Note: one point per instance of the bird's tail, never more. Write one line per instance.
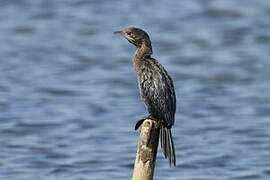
(166, 141)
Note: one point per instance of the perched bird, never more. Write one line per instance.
(156, 88)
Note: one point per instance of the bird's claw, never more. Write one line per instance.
(139, 122)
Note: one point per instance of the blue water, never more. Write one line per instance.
(69, 101)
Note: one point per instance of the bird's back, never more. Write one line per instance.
(156, 89)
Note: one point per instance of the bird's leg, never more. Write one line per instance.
(139, 122)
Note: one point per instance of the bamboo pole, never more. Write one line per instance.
(144, 165)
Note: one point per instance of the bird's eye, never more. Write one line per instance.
(129, 33)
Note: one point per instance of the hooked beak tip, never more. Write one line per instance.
(118, 32)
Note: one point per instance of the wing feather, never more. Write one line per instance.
(157, 91)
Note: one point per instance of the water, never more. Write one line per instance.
(68, 96)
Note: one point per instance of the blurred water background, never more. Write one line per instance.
(69, 101)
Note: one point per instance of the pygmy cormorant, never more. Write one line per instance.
(156, 88)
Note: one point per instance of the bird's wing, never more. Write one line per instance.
(157, 91)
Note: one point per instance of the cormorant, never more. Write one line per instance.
(156, 88)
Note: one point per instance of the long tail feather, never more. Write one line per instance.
(173, 150)
(167, 144)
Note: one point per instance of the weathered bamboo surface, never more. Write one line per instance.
(144, 165)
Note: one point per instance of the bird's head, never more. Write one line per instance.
(135, 36)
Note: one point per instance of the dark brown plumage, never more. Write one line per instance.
(156, 88)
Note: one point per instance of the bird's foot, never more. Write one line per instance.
(139, 122)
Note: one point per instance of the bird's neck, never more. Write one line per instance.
(144, 50)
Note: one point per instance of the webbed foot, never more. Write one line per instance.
(139, 122)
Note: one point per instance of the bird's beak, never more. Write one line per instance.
(118, 32)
